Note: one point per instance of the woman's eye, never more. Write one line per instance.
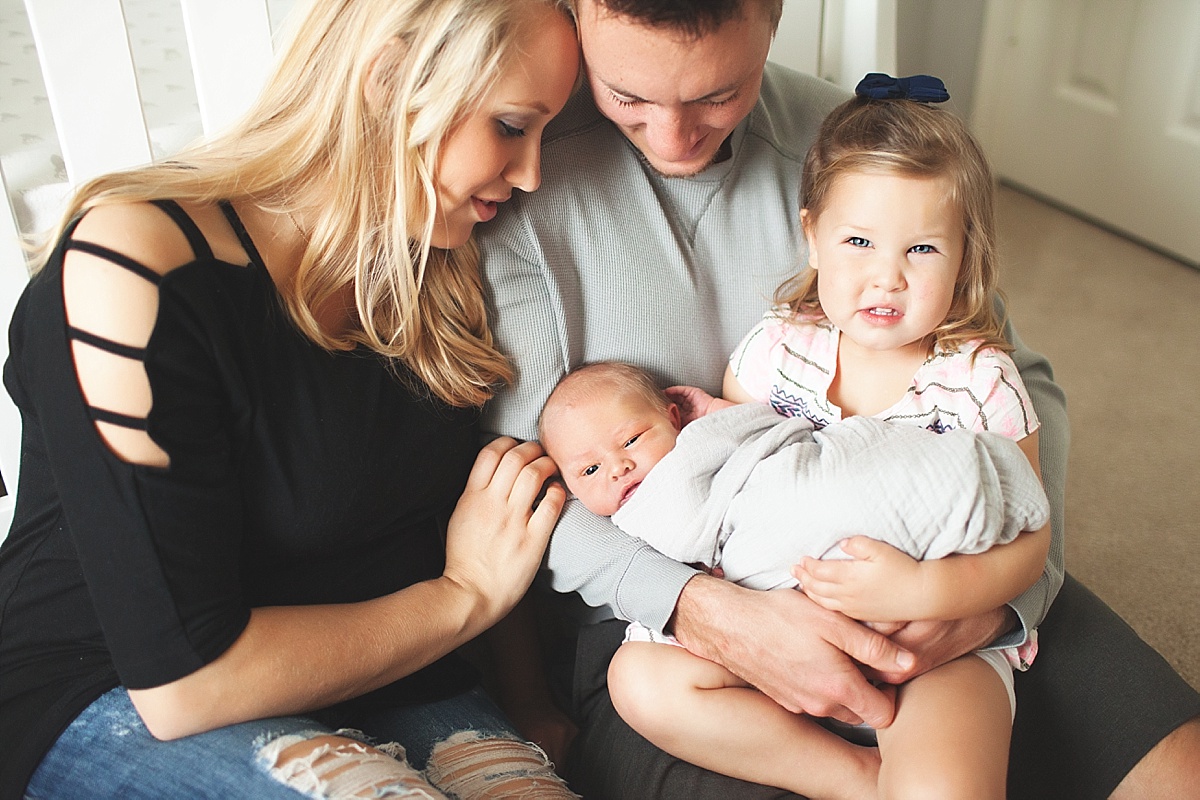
(922, 249)
(590, 470)
(510, 130)
(858, 241)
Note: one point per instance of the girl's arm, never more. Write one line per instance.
(884, 584)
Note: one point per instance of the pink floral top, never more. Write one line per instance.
(790, 363)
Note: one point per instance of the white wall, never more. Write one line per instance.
(942, 38)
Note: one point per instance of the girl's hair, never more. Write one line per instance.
(311, 133)
(904, 137)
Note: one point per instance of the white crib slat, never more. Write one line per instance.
(230, 44)
(88, 70)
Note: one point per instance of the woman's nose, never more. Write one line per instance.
(525, 171)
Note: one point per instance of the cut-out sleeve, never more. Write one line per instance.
(132, 421)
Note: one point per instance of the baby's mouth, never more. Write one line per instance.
(633, 487)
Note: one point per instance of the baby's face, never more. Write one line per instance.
(604, 448)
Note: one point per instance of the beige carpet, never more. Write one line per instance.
(1121, 325)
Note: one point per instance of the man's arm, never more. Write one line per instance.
(606, 566)
(1053, 440)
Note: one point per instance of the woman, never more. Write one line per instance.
(249, 381)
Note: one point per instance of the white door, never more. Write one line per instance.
(1095, 104)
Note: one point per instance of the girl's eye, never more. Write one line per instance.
(858, 241)
(922, 249)
(590, 470)
(510, 130)
(631, 441)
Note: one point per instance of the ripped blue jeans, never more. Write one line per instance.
(108, 753)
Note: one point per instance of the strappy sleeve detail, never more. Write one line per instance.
(111, 303)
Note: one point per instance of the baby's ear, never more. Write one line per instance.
(676, 417)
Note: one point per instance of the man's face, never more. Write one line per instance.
(675, 97)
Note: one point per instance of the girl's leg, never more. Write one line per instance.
(700, 712)
(467, 748)
(950, 735)
(107, 752)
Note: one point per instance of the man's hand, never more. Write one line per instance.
(794, 651)
(937, 642)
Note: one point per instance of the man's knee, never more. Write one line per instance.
(1171, 768)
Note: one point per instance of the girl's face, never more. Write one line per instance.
(887, 250)
(497, 148)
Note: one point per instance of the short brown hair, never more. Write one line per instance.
(695, 18)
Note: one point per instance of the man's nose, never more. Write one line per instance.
(671, 133)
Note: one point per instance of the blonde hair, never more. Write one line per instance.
(311, 133)
(608, 381)
(904, 137)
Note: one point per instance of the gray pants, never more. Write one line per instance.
(1097, 699)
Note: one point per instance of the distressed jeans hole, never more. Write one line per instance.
(466, 765)
(327, 767)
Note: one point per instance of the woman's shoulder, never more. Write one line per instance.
(160, 236)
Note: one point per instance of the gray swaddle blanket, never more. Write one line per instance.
(752, 492)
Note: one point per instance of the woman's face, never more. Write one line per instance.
(498, 147)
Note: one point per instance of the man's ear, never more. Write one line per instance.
(806, 224)
(384, 64)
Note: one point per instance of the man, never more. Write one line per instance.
(667, 215)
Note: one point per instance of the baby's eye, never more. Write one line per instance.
(631, 441)
(858, 241)
(590, 470)
(922, 249)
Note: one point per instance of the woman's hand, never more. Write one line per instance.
(500, 528)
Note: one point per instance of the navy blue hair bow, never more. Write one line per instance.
(921, 88)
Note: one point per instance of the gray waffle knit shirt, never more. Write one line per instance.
(608, 260)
